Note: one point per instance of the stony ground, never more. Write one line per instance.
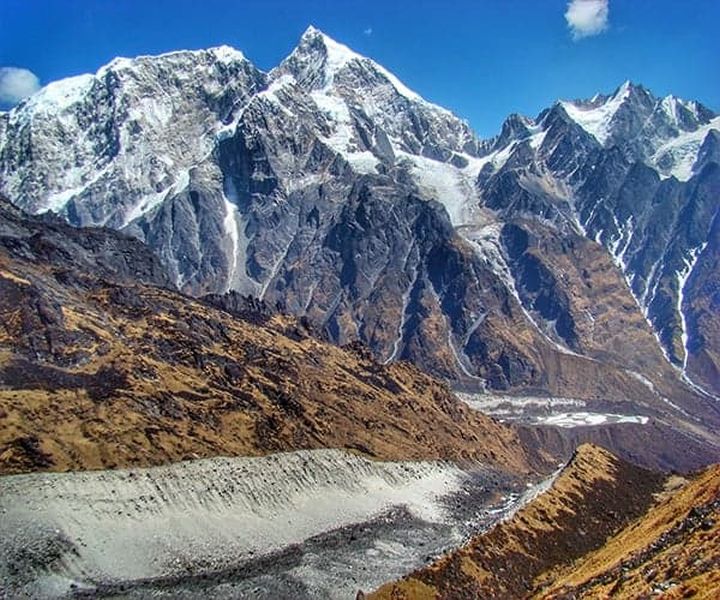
(311, 524)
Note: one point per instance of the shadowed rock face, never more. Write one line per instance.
(48, 241)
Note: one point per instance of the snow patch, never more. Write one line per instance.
(152, 111)
(227, 54)
(145, 205)
(459, 358)
(543, 410)
(682, 152)
(642, 379)
(597, 121)
(56, 96)
(343, 138)
(454, 188)
(230, 223)
(682, 276)
(588, 419)
(495, 404)
(536, 139)
(73, 185)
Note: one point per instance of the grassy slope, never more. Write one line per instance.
(604, 530)
(673, 549)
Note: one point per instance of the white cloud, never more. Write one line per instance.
(368, 31)
(586, 18)
(16, 84)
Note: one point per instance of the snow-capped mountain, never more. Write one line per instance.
(639, 175)
(107, 147)
(665, 133)
(551, 256)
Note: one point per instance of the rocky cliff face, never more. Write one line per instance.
(328, 187)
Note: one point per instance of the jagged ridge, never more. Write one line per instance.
(312, 186)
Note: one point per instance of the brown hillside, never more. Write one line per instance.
(593, 497)
(95, 374)
(673, 550)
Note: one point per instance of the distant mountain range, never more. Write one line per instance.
(575, 254)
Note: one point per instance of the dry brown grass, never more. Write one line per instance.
(661, 551)
(671, 550)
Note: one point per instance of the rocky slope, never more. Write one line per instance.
(330, 187)
(603, 529)
(638, 175)
(47, 241)
(142, 374)
(98, 372)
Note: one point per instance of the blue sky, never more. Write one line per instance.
(482, 59)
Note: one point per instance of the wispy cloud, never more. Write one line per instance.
(586, 18)
(16, 84)
(368, 31)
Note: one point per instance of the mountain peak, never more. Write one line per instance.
(636, 91)
(626, 87)
(224, 53)
(63, 93)
(312, 32)
(315, 38)
(318, 59)
(597, 115)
